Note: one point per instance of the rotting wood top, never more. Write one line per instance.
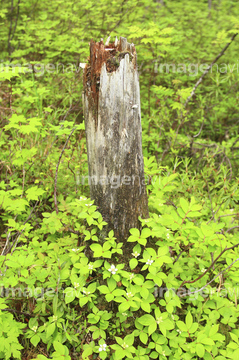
(109, 53)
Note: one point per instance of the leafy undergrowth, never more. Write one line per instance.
(175, 298)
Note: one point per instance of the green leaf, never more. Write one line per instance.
(124, 306)
(118, 292)
(193, 328)
(87, 352)
(142, 241)
(152, 328)
(119, 354)
(154, 355)
(233, 336)
(145, 306)
(50, 330)
(146, 320)
(91, 288)
(144, 292)
(200, 350)
(135, 232)
(111, 284)
(207, 341)
(129, 339)
(133, 263)
(214, 330)
(181, 325)
(97, 248)
(181, 212)
(195, 214)
(103, 289)
(83, 301)
(35, 340)
(169, 308)
(109, 297)
(146, 232)
(69, 295)
(55, 303)
(236, 354)
(143, 337)
(195, 207)
(59, 347)
(189, 320)
(184, 204)
(232, 345)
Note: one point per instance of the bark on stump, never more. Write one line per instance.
(112, 114)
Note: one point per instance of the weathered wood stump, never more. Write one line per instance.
(111, 100)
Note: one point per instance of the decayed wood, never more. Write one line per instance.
(113, 132)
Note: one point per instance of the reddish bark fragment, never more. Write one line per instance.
(100, 54)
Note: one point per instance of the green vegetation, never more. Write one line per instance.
(176, 296)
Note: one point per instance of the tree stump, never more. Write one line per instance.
(111, 99)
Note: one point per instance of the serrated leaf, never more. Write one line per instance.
(33, 193)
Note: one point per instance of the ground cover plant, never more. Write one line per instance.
(176, 296)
